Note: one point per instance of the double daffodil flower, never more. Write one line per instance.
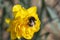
(25, 22)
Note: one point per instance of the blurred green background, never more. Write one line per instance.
(49, 14)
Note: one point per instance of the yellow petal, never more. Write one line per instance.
(32, 9)
(16, 8)
(7, 20)
(13, 35)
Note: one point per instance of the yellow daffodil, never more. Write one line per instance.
(25, 22)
